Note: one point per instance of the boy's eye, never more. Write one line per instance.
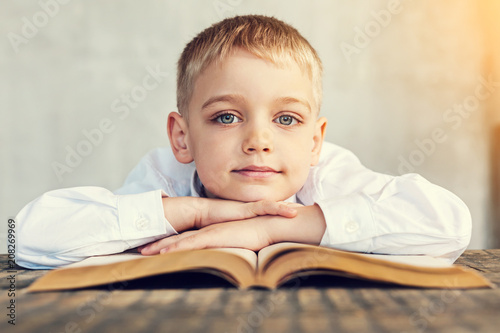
(286, 120)
(227, 118)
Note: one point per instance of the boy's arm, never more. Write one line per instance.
(307, 226)
(371, 212)
(186, 213)
(416, 217)
(68, 225)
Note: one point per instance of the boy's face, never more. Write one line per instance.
(252, 131)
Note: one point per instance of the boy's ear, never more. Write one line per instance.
(319, 136)
(177, 134)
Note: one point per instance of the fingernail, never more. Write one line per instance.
(164, 250)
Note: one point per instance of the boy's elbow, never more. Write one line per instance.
(464, 228)
(456, 223)
(30, 252)
(25, 242)
(33, 240)
(460, 219)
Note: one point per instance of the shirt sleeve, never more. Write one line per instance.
(68, 225)
(376, 213)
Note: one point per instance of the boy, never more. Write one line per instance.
(249, 168)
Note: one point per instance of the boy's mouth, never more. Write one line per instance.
(255, 171)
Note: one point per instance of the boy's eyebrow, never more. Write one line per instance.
(291, 100)
(237, 99)
(232, 98)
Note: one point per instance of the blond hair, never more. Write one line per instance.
(265, 37)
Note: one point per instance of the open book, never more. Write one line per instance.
(270, 268)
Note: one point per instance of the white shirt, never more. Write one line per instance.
(365, 211)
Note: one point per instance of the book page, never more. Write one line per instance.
(414, 260)
(278, 264)
(266, 254)
(105, 260)
(269, 253)
(248, 255)
(237, 266)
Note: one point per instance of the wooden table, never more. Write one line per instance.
(312, 305)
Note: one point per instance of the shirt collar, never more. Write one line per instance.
(197, 189)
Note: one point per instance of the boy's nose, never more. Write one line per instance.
(258, 140)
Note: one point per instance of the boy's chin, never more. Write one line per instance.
(249, 196)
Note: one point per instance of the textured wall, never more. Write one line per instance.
(400, 86)
(491, 10)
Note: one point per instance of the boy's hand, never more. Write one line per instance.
(186, 213)
(254, 233)
(249, 234)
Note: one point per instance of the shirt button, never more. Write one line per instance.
(351, 227)
(142, 223)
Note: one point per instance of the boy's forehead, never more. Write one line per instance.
(236, 70)
(281, 61)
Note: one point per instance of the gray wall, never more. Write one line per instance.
(391, 93)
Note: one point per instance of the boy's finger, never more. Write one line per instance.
(150, 249)
(196, 240)
(287, 211)
(155, 247)
(291, 204)
(267, 207)
(188, 243)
